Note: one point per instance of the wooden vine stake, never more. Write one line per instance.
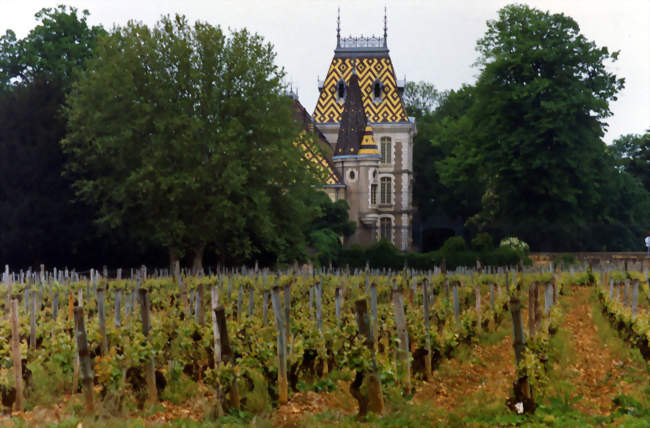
(200, 312)
(373, 310)
(425, 299)
(477, 294)
(215, 326)
(32, 322)
(149, 372)
(84, 358)
(532, 309)
(522, 391)
(456, 285)
(337, 295)
(402, 334)
(101, 313)
(227, 354)
(283, 385)
(15, 354)
(373, 399)
(319, 316)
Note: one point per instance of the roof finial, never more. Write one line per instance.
(385, 27)
(338, 28)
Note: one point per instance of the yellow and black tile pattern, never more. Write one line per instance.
(389, 109)
(316, 160)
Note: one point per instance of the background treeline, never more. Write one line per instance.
(520, 152)
(120, 148)
(145, 145)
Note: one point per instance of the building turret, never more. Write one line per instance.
(361, 114)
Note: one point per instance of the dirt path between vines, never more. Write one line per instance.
(486, 373)
(594, 371)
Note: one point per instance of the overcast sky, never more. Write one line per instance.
(432, 40)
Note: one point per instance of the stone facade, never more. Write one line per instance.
(389, 213)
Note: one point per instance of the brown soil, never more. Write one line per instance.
(303, 404)
(594, 371)
(488, 371)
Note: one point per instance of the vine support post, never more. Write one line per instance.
(425, 299)
(265, 307)
(214, 304)
(240, 300)
(32, 321)
(200, 311)
(456, 301)
(337, 296)
(635, 296)
(319, 305)
(227, 355)
(373, 400)
(531, 309)
(101, 314)
(402, 334)
(251, 297)
(15, 353)
(149, 371)
(522, 391)
(373, 310)
(283, 385)
(117, 321)
(84, 358)
(287, 311)
(477, 295)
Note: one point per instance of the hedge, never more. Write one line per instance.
(384, 255)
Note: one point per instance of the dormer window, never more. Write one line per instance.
(340, 90)
(377, 89)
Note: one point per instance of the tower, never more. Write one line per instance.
(361, 114)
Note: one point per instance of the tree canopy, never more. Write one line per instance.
(632, 155)
(184, 134)
(39, 223)
(521, 151)
(52, 50)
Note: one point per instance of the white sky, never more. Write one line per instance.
(432, 40)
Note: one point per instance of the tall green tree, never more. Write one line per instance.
(444, 202)
(38, 221)
(632, 154)
(420, 98)
(52, 50)
(183, 134)
(541, 102)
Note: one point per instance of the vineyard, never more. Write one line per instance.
(297, 348)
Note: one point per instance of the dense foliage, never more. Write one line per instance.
(520, 153)
(181, 340)
(184, 134)
(39, 222)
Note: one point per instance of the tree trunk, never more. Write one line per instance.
(197, 259)
(173, 258)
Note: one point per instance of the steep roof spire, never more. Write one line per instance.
(338, 28)
(385, 28)
(355, 136)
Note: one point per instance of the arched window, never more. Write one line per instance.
(373, 194)
(385, 228)
(385, 196)
(340, 90)
(385, 150)
(376, 91)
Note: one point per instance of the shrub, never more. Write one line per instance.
(516, 244)
(502, 256)
(454, 244)
(482, 242)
